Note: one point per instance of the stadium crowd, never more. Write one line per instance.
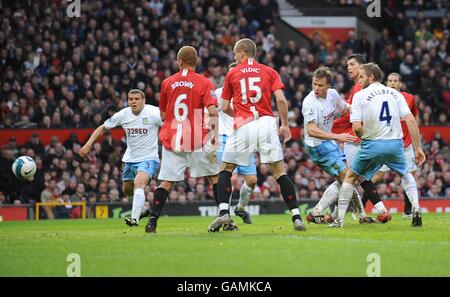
(61, 72)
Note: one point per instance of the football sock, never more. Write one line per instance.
(364, 199)
(380, 207)
(216, 197)
(159, 200)
(371, 191)
(288, 192)
(330, 195)
(408, 205)
(357, 204)
(244, 196)
(410, 187)
(138, 203)
(345, 195)
(224, 191)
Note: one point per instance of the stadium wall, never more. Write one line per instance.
(208, 208)
(45, 135)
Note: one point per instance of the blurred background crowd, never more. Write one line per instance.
(60, 72)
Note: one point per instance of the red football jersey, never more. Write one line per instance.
(342, 124)
(184, 96)
(251, 85)
(413, 107)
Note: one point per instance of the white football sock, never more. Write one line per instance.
(356, 201)
(295, 211)
(138, 203)
(330, 195)
(223, 206)
(345, 195)
(410, 187)
(244, 196)
(380, 207)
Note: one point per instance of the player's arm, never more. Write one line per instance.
(415, 136)
(282, 107)
(316, 132)
(226, 107)
(84, 151)
(358, 128)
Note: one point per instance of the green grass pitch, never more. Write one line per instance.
(183, 247)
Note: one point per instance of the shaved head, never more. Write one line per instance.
(246, 45)
(188, 55)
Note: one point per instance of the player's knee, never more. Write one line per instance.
(167, 185)
(251, 180)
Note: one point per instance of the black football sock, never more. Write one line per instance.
(408, 206)
(224, 191)
(364, 199)
(371, 191)
(287, 188)
(159, 200)
(216, 197)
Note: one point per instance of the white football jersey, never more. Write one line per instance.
(141, 131)
(380, 109)
(225, 121)
(322, 111)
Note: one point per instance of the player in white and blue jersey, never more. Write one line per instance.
(375, 115)
(322, 105)
(249, 172)
(141, 159)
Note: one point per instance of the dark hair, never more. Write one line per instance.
(360, 58)
(323, 72)
(373, 69)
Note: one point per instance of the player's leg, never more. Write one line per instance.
(287, 188)
(330, 158)
(145, 170)
(269, 147)
(365, 165)
(247, 188)
(358, 212)
(238, 149)
(397, 161)
(223, 196)
(411, 160)
(173, 166)
(159, 200)
(128, 176)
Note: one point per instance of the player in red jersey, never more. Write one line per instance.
(394, 81)
(251, 86)
(185, 140)
(343, 125)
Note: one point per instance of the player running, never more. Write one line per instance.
(379, 109)
(394, 81)
(141, 123)
(319, 109)
(341, 125)
(251, 86)
(185, 139)
(249, 172)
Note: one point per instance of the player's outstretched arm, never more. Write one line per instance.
(84, 151)
(282, 107)
(415, 135)
(316, 132)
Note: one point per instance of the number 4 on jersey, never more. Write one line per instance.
(384, 114)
